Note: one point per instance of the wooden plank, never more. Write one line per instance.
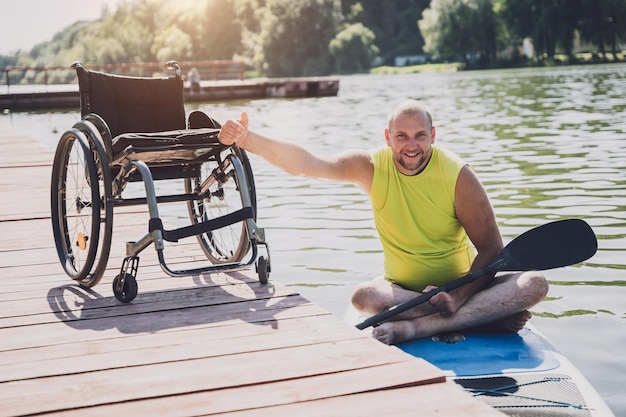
(25, 190)
(33, 283)
(208, 342)
(310, 328)
(433, 400)
(201, 343)
(24, 235)
(193, 375)
(38, 284)
(116, 313)
(23, 151)
(19, 182)
(256, 311)
(263, 399)
(205, 295)
(34, 246)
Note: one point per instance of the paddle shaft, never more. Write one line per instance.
(420, 299)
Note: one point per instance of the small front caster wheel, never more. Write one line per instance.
(262, 268)
(125, 287)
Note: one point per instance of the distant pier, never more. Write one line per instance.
(24, 98)
(42, 88)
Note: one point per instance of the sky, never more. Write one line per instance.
(25, 23)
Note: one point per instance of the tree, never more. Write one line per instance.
(294, 37)
(616, 24)
(219, 31)
(552, 23)
(466, 29)
(486, 30)
(353, 48)
(555, 22)
(172, 43)
(394, 23)
(604, 23)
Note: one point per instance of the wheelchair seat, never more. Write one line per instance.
(134, 129)
(171, 147)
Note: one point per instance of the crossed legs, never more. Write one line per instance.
(503, 304)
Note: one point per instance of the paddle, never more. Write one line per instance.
(552, 245)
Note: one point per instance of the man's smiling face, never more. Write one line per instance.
(411, 136)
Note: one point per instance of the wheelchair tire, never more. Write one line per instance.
(125, 291)
(75, 192)
(263, 270)
(231, 243)
(100, 130)
(243, 157)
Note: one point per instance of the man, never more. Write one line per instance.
(430, 212)
(194, 80)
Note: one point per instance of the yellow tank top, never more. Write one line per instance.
(423, 241)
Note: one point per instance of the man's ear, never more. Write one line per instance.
(433, 133)
(388, 137)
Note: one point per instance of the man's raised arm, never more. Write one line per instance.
(351, 166)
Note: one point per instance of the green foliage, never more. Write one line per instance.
(394, 23)
(416, 69)
(171, 42)
(353, 49)
(552, 24)
(219, 31)
(604, 23)
(461, 29)
(295, 35)
(281, 38)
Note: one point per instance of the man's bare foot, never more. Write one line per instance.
(394, 332)
(399, 331)
(513, 323)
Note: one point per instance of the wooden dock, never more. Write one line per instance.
(202, 345)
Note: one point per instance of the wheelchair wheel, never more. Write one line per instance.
(263, 270)
(231, 243)
(97, 129)
(77, 207)
(125, 287)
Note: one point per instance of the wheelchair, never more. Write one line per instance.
(133, 130)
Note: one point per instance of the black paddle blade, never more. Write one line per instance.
(552, 245)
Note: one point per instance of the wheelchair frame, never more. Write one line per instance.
(95, 161)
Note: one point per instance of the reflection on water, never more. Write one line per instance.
(547, 143)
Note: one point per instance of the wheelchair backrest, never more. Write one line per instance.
(132, 104)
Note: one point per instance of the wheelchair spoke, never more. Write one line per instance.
(217, 187)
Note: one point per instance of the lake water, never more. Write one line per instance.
(548, 144)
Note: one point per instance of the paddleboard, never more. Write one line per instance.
(520, 374)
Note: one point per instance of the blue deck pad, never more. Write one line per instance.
(485, 353)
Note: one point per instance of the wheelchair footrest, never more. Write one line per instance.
(226, 267)
(203, 227)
